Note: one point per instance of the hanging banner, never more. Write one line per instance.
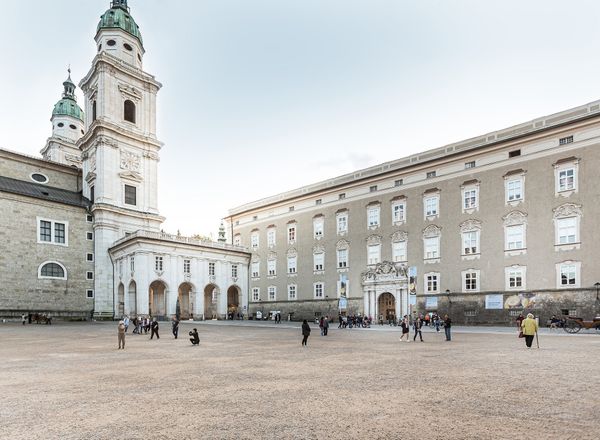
(343, 285)
(343, 303)
(412, 280)
(412, 300)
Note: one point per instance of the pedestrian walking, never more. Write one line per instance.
(447, 327)
(325, 325)
(519, 321)
(175, 327)
(154, 329)
(530, 327)
(305, 332)
(121, 335)
(321, 325)
(23, 318)
(405, 329)
(126, 322)
(194, 339)
(417, 326)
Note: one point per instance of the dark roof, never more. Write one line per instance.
(43, 192)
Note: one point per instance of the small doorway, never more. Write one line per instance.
(233, 302)
(387, 307)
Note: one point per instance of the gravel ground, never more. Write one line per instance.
(69, 381)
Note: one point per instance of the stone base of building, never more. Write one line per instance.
(307, 309)
(68, 315)
(503, 308)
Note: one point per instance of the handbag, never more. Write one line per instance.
(521, 335)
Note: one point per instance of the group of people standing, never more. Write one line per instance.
(145, 324)
(417, 324)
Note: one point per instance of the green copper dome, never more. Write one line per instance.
(67, 106)
(118, 17)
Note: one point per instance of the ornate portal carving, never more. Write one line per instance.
(385, 269)
(292, 252)
(567, 210)
(130, 161)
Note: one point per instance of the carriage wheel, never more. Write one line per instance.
(572, 327)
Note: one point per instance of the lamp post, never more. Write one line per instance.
(449, 301)
(597, 286)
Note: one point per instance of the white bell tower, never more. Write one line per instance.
(120, 150)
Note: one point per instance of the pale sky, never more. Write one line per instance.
(263, 96)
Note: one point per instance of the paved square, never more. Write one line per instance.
(69, 381)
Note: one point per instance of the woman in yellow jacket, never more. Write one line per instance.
(529, 326)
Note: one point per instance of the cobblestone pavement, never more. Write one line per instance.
(254, 380)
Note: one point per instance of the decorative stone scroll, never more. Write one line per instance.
(374, 239)
(130, 161)
(567, 210)
(515, 218)
(399, 236)
(432, 231)
(470, 225)
(342, 244)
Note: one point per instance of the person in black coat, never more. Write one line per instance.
(195, 339)
(305, 332)
(154, 329)
(175, 327)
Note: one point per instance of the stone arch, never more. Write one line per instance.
(121, 300)
(132, 298)
(185, 296)
(211, 301)
(157, 298)
(234, 300)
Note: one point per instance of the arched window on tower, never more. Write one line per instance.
(129, 111)
(94, 110)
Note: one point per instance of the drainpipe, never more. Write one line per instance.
(113, 281)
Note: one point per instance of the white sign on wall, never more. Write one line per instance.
(494, 302)
(431, 302)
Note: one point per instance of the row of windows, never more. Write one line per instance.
(187, 266)
(292, 292)
(566, 234)
(566, 178)
(566, 181)
(567, 275)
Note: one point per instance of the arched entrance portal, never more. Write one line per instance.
(157, 299)
(132, 297)
(211, 295)
(121, 301)
(186, 306)
(387, 306)
(233, 302)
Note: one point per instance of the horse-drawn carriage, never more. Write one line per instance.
(575, 324)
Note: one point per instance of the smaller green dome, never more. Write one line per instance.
(118, 17)
(67, 106)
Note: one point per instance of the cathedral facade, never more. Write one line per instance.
(85, 217)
